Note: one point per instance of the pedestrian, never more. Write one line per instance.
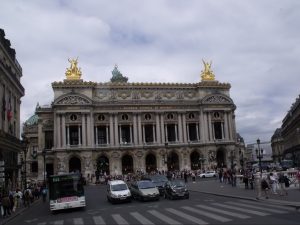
(185, 177)
(281, 181)
(44, 193)
(273, 182)
(6, 205)
(265, 187)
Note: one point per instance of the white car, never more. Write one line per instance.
(208, 174)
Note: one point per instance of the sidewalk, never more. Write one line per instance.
(214, 187)
(17, 212)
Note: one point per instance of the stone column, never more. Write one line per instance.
(162, 126)
(111, 129)
(143, 132)
(158, 136)
(63, 130)
(180, 128)
(68, 136)
(96, 132)
(92, 130)
(230, 125)
(226, 126)
(140, 129)
(79, 135)
(89, 133)
(116, 132)
(130, 130)
(184, 128)
(210, 138)
(201, 125)
(135, 134)
(83, 128)
(176, 133)
(58, 127)
(153, 131)
(106, 128)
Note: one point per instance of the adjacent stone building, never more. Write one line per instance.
(286, 140)
(11, 91)
(119, 127)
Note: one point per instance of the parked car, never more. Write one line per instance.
(176, 189)
(158, 180)
(144, 190)
(208, 174)
(118, 191)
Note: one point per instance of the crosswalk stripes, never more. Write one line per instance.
(287, 208)
(257, 213)
(98, 220)
(207, 214)
(186, 216)
(229, 213)
(258, 207)
(78, 221)
(119, 219)
(201, 214)
(141, 218)
(162, 217)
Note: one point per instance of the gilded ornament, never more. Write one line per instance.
(207, 73)
(73, 73)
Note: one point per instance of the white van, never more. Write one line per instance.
(118, 191)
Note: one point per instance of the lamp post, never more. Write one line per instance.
(44, 157)
(231, 159)
(25, 143)
(259, 155)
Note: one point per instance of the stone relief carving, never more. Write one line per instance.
(115, 154)
(87, 160)
(179, 95)
(139, 154)
(217, 99)
(147, 94)
(101, 95)
(113, 95)
(73, 100)
(169, 95)
(124, 94)
(136, 95)
(211, 156)
(189, 94)
(61, 167)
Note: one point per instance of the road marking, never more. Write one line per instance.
(207, 214)
(257, 207)
(241, 209)
(78, 221)
(43, 223)
(119, 219)
(98, 220)
(269, 205)
(141, 218)
(186, 216)
(233, 214)
(58, 222)
(162, 217)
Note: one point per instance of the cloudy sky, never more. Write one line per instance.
(254, 45)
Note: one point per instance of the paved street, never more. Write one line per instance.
(199, 209)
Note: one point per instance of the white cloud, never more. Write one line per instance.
(253, 46)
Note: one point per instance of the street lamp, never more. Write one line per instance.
(232, 156)
(259, 155)
(25, 143)
(44, 157)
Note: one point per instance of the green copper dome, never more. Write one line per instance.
(33, 120)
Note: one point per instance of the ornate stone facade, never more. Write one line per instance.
(120, 127)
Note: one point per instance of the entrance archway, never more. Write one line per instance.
(127, 164)
(75, 165)
(102, 166)
(173, 162)
(220, 157)
(150, 163)
(195, 161)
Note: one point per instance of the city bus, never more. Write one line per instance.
(66, 191)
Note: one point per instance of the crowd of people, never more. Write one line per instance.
(12, 200)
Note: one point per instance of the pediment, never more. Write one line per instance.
(73, 99)
(217, 99)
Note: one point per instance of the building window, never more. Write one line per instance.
(48, 139)
(102, 135)
(191, 115)
(74, 135)
(170, 116)
(125, 134)
(73, 117)
(34, 167)
(216, 115)
(124, 117)
(147, 116)
(218, 130)
(192, 128)
(149, 136)
(171, 131)
(101, 117)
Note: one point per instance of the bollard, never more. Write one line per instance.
(257, 178)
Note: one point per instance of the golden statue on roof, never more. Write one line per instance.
(207, 74)
(74, 72)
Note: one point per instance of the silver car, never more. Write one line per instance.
(144, 190)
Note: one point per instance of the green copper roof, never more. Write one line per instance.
(33, 120)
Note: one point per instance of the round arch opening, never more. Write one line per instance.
(220, 157)
(195, 161)
(151, 163)
(173, 162)
(102, 166)
(75, 165)
(127, 164)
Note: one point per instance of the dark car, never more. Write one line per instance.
(159, 181)
(144, 190)
(176, 189)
